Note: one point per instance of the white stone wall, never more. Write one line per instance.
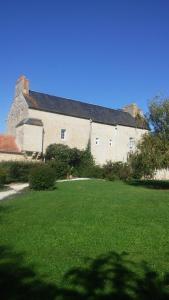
(20, 137)
(32, 138)
(119, 147)
(18, 112)
(162, 174)
(77, 130)
(78, 133)
(11, 157)
(29, 137)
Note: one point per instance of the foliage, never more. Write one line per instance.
(116, 170)
(17, 171)
(58, 152)
(152, 153)
(91, 171)
(153, 150)
(2, 177)
(42, 178)
(154, 184)
(158, 116)
(61, 168)
(75, 157)
(69, 161)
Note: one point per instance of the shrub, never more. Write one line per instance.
(58, 152)
(61, 169)
(91, 171)
(42, 178)
(17, 171)
(2, 177)
(151, 183)
(140, 168)
(116, 170)
(69, 161)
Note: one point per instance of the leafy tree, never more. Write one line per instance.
(58, 152)
(153, 151)
(158, 116)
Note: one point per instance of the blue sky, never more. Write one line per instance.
(106, 52)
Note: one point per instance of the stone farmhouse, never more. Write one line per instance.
(37, 120)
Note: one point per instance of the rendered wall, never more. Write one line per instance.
(29, 138)
(120, 137)
(78, 133)
(77, 130)
(162, 174)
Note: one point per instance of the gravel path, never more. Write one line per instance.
(14, 188)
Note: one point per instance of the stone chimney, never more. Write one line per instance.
(133, 110)
(22, 86)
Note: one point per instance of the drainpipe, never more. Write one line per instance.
(43, 134)
(90, 134)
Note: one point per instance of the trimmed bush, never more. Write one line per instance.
(151, 183)
(2, 177)
(18, 171)
(42, 178)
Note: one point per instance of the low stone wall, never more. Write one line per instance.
(4, 156)
(162, 174)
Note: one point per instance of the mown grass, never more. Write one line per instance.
(55, 230)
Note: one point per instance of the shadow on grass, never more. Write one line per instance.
(21, 282)
(152, 184)
(110, 276)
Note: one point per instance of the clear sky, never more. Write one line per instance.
(106, 52)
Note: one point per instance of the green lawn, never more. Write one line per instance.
(52, 232)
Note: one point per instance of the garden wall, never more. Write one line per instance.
(4, 156)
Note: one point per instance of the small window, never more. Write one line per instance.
(63, 134)
(110, 142)
(131, 143)
(97, 141)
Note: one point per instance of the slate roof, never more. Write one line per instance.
(30, 121)
(8, 144)
(96, 113)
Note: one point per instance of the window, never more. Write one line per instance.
(63, 134)
(97, 141)
(131, 143)
(110, 142)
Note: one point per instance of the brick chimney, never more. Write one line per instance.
(133, 110)
(22, 86)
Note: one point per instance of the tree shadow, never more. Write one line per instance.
(113, 276)
(21, 282)
(110, 276)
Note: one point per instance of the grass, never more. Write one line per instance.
(56, 230)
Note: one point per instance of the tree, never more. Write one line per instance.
(58, 152)
(158, 116)
(153, 150)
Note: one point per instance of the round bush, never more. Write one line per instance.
(42, 178)
(2, 177)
